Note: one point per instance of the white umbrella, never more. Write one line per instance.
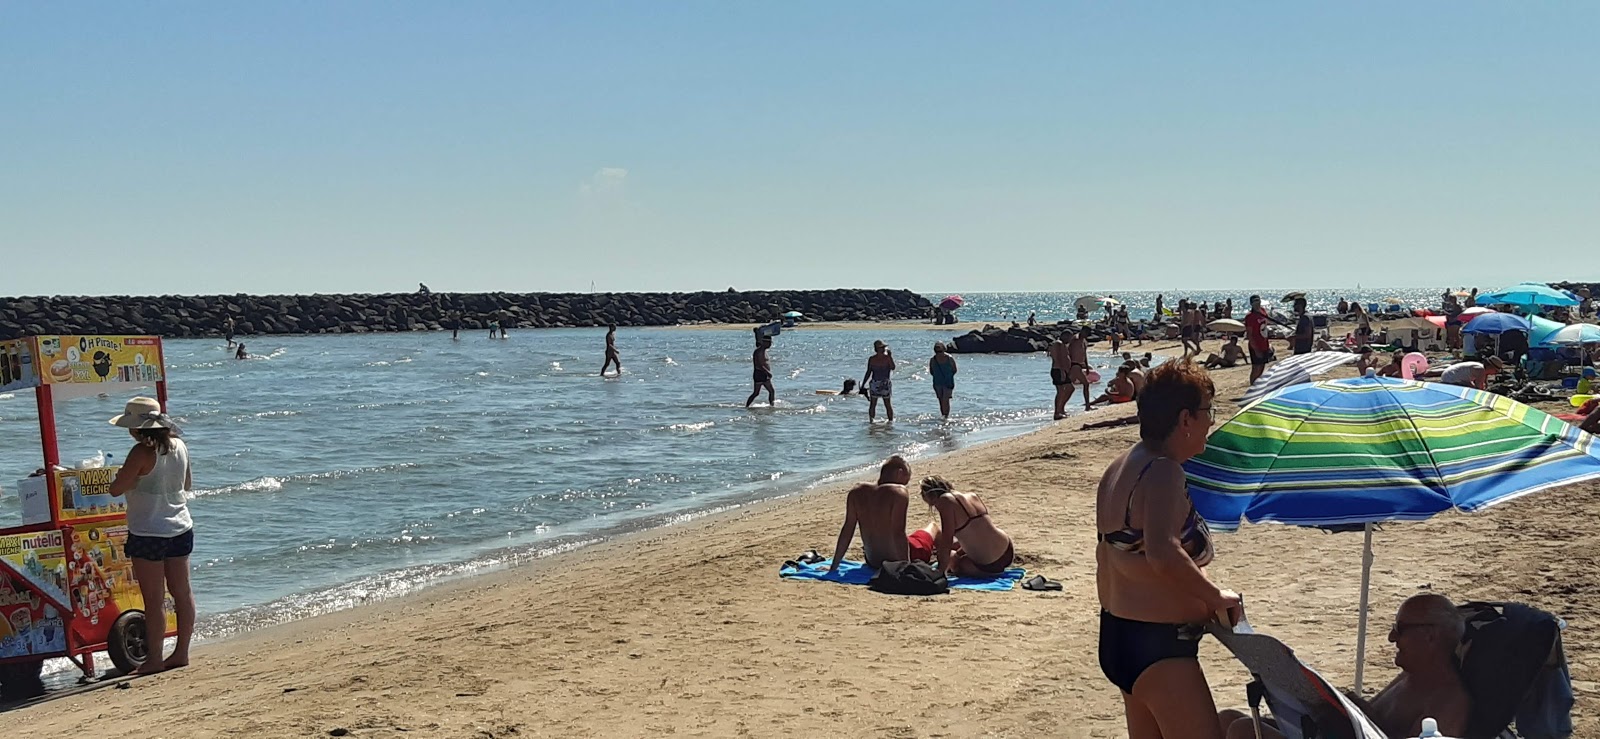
(1474, 312)
(1295, 370)
(1577, 333)
(1095, 302)
(1226, 325)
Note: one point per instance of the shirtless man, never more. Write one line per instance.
(761, 373)
(1060, 363)
(1136, 374)
(1425, 634)
(1230, 356)
(880, 511)
(611, 351)
(1078, 363)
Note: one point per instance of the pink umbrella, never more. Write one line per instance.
(1474, 312)
(952, 302)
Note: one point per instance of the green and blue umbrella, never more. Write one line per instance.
(1353, 452)
(1529, 293)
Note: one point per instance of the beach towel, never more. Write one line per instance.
(857, 573)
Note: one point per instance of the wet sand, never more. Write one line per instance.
(687, 630)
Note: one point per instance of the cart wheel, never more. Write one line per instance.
(126, 644)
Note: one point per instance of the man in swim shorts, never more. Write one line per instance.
(1078, 363)
(1060, 361)
(880, 510)
(1255, 328)
(761, 373)
(611, 351)
(1119, 390)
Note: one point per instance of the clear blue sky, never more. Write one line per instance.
(199, 147)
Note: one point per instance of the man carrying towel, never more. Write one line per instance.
(880, 510)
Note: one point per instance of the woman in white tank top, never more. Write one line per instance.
(160, 530)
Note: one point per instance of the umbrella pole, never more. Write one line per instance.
(1361, 628)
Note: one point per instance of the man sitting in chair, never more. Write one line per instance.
(1426, 631)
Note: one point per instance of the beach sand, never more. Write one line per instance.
(688, 630)
(955, 329)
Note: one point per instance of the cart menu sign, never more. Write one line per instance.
(102, 581)
(86, 494)
(91, 359)
(34, 563)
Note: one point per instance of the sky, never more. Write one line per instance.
(298, 147)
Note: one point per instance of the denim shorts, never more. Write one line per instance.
(157, 548)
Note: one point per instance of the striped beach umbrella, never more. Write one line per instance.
(1295, 370)
(1353, 452)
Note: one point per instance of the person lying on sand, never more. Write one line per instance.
(981, 549)
(880, 510)
(1120, 390)
(1425, 634)
(1231, 354)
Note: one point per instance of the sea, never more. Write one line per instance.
(332, 471)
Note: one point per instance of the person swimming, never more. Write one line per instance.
(241, 354)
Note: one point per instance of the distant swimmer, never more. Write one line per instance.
(611, 351)
(241, 354)
(761, 374)
(494, 329)
(942, 368)
(879, 386)
(848, 389)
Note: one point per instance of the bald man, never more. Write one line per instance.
(1425, 634)
(880, 510)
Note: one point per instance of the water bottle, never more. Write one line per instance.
(111, 459)
(1430, 730)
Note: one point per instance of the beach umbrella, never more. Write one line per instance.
(1094, 302)
(794, 314)
(1227, 326)
(952, 302)
(1577, 333)
(1540, 330)
(1291, 297)
(1497, 323)
(1346, 454)
(1474, 312)
(1295, 370)
(1530, 294)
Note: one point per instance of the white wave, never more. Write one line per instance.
(266, 484)
(692, 427)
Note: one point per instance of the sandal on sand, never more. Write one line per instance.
(811, 557)
(1038, 582)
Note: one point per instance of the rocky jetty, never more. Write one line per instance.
(1023, 339)
(205, 315)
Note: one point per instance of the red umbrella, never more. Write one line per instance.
(952, 302)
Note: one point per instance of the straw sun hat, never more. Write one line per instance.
(144, 413)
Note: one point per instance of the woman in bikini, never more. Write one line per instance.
(1150, 563)
(981, 549)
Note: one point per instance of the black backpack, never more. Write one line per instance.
(909, 578)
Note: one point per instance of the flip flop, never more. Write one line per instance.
(1038, 582)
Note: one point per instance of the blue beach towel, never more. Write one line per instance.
(857, 573)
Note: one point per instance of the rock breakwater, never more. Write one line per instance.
(207, 315)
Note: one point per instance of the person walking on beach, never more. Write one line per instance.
(1030, 320)
(1304, 331)
(1078, 363)
(1161, 308)
(942, 368)
(877, 382)
(160, 528)
(761, 373)
(1363, 325)
(611, 351)
(1060, 377)
(1151, 557)
(1255, 329)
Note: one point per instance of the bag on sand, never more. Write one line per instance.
(909, 578)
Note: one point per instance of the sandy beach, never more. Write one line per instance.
(688, 630)
(955, 329)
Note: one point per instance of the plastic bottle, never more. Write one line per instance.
(111, 460)
(1430, 730)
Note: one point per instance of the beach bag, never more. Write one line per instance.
(909, 578)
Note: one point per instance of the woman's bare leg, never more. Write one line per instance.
(177, 572)
(151, 576)
(1175, 693)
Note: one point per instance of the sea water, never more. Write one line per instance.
(335, 470)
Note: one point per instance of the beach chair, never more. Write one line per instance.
(1511, 663)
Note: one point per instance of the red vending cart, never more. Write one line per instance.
(66, 589)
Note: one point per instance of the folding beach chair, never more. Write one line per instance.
(1511, 663)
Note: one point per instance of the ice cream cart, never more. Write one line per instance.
(66, 588)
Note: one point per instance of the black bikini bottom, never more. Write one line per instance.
(1128, 648)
